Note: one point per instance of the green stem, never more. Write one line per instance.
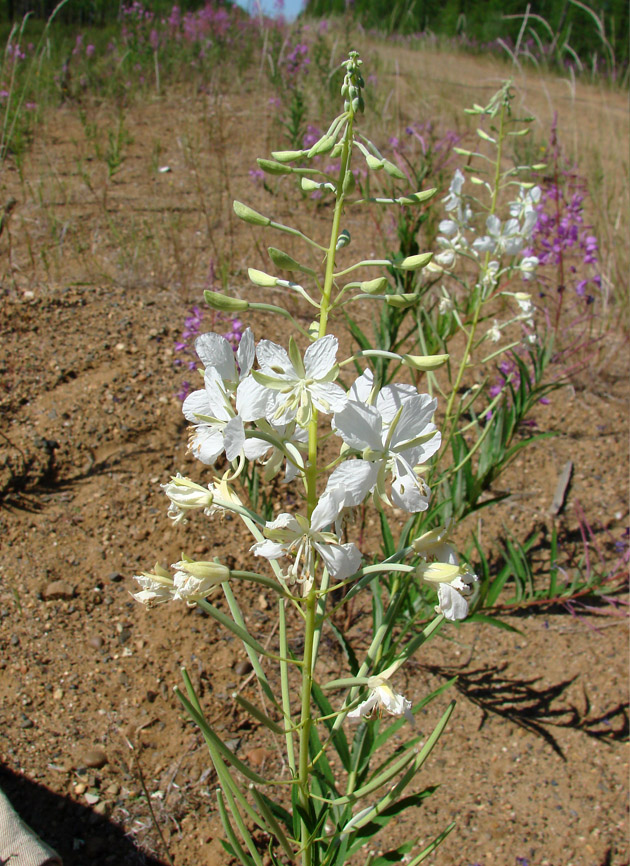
(311, 625)
(473, 326)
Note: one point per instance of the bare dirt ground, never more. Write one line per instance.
(534, 763)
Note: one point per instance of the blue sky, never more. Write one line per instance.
(269, 7)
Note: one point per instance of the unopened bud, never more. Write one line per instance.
(271, 167)
(324, 145)
(224, 303)
(414, 263)
(260, 278)
(283, 260)
(374, 163)
(393, 170)
(375, 287)
(248, 215)
(287, 155)
(349, 183)
(206, 571)
(425, 362)
(401, 301)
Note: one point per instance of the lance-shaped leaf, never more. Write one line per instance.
(217, 743)
(263, 804)
(232, 846)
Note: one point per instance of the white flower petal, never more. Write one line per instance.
(216, 352)
(196, 403)
(206, 444)
(410, 493)
(246, 353)
(327, 509)
(234, 437)
(360, 391)
(274, 360)
(356, 479)
(359, 426)
(253, 401)
(451, 603)
(321, 357)
(341, 560)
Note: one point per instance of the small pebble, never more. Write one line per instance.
(57, 694)
(243, 667)
(115, 576)
(57, 589)
(80, 788)
(93, 758)
(96, 642)
(15, 640)
(91, 799)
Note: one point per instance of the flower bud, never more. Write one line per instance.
(260, 278)
(393, 170)
(375, 287)
(271, 167)
(425, 362)
(248, 215)
(283, 260)
(224, 303)
(417, 197)
(414, 263)
(196, 580)
(287, 155)
(374, 163)
(400, 302)
(343, 240)
(207, 571)
(324, 145)
(349, 183)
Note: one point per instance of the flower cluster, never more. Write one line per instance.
(256, 404)
(502, 249)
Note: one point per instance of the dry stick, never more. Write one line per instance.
(148, 799)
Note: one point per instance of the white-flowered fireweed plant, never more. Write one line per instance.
(342, 780)
(478, 290)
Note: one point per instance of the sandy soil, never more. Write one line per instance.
(534, 765)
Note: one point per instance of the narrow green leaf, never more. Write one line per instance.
(234, 847)
(270, 820)
(217, 743)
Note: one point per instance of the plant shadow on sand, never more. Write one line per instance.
(76, 832)
(536, 708)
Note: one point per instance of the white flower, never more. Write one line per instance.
(526, 202)
(217, 427)
(445, 304)
(217, 354)
(396, 435)
(192, 581)
(157, 587)
(289, 437)
(454, 200)
(527, 267)
(494, 333)
(293, 535)
(382, 698)
(287, 388)
(196, 580)
(506, 240)
(435, 543)
(185, 495)
(454, 584)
